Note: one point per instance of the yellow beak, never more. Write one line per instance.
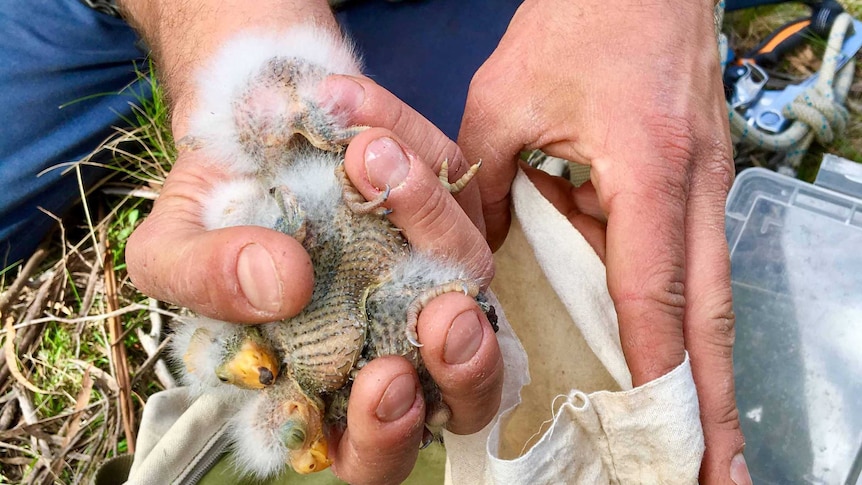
(253, 367)
(314, 459)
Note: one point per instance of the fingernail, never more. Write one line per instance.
(258, 278)
(341, 95)
(739, 471)
(398, 398)
(386, 163)
(464, 338)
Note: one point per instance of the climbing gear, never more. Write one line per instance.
(787, 120)
(107, 7)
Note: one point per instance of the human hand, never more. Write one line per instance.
(386, 414)
(634, 91)
(252, 274)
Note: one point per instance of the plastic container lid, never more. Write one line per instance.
(796, 252)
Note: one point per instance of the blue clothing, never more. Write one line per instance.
(56, 57)
(68, 75)
(73, 74)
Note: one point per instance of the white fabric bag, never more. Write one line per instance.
(569, 413)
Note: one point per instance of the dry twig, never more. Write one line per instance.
(10, 294)
(118, 349)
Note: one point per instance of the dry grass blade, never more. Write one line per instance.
(15, 288)
(74, 425)
(30, 336)
(118, 350)
(154, 359)
(12, 358)
(150, 342)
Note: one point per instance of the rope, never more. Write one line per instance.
(818, 111)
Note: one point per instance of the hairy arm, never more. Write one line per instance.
(632, 89)
(183, 34)
(253, 274)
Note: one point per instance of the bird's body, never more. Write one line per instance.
(285, 151)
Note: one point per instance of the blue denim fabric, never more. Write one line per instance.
(426, 52)
(53, 52)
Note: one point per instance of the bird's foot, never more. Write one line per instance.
(356, 202)
(292, 220)
(458, 185)
(469, 288)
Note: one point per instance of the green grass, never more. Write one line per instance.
(140, 158)
(747, 28)
(73, 279)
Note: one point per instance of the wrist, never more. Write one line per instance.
(184, 36)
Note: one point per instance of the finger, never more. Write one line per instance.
(385, 424)
(646, 250)
(421, 206)
(238, 274)
(709, 319)
(363, 102)
(461, 353)
(490, 135)
(570, 200)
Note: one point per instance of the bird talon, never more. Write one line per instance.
(458, 185)
(413, 338)
(427, 438)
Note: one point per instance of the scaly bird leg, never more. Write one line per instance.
(292, 220)
(462, 182)
(321, 129)
(356, 202)
(469, 288)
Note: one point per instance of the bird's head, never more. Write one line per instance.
(252, 364)
(302, 433)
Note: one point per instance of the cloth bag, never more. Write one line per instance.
(569, 413)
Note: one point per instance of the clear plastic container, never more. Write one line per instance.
(796, 251)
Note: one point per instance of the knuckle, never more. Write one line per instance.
(717, 331)
(666, 186)
(718, 169)
(430, 215)
(483, 96)
(673, 137)
(723, 415)
(651, 319)
(398, 121)
(663, 291)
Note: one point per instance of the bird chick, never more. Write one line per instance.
(261, 120)
(213, 352)
(262, 91)
(282, 425)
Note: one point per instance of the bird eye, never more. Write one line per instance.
(222, 373)
(294, 436)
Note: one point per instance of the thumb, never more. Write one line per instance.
(422, 207)
(238, 274)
